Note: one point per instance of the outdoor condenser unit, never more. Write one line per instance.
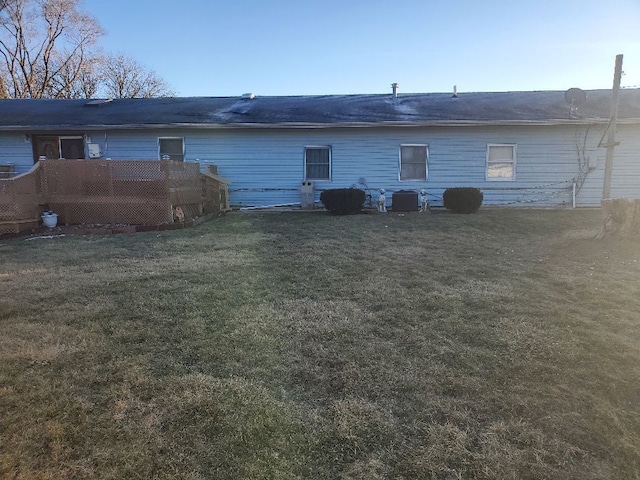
(306, 195)
(404, 201)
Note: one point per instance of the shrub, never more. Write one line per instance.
(462, 199)
(343, 201)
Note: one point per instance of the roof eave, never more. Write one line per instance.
(317, 125)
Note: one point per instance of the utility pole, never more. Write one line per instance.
(611, 137)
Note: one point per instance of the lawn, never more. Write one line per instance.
(501, 345)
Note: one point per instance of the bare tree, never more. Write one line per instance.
(45, 46)
(77, 81)
(124, 77)
(3, 88)
(47, 50)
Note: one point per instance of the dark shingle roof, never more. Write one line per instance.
(321, 110)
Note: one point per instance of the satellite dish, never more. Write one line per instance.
(575, 97)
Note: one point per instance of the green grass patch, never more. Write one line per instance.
(303, 346)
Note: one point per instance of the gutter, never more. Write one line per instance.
(305, 125)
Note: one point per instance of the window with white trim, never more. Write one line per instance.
(413, 162)
(70, 147)
(501, 162)
(317, 162)
(171, 148)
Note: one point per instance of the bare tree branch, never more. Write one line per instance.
(124, 77)
(77, 80)
(44, 45)
(47, 50)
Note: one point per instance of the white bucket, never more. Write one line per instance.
(50, 219)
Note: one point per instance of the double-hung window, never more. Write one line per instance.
(413, 162)
(171, 148)
(501, 162)
(317, 162)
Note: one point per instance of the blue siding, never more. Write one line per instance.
(625, 181)
(126, 145)
(14, 149)
(266, 166)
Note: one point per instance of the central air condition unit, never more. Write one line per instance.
(404, 201)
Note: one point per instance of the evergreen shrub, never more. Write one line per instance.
(343, 201)
(462, 199)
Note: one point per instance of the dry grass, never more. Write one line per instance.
(279, 346)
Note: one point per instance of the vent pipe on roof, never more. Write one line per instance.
(394, 87)
(455, 92)
(99, 102)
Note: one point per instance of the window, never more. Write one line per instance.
(171, 148)
(413, 162)
(501, 162)
(53, 146)
(317, 163)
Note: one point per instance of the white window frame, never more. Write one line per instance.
(426, 162)
(513, 162)
(317, 147)
(171, 138)
(58, 142)
(72, 137)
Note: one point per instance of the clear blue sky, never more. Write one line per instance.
(298, 47)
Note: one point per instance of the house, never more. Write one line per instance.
(538, 148)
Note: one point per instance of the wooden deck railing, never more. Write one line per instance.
(137, 192)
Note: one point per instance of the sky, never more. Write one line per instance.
(317, 47)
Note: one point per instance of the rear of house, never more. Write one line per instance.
(519, 148)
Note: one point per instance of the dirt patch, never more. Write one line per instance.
(107, 229)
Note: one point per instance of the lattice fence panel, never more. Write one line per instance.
(20, 202)
(215, 194)
(184, 184)
(109, 191)
(138, 192)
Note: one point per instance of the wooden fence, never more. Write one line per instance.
(135, 192)
(20, 202)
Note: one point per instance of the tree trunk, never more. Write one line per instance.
(621, 217)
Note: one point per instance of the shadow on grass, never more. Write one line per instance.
(497, 345)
